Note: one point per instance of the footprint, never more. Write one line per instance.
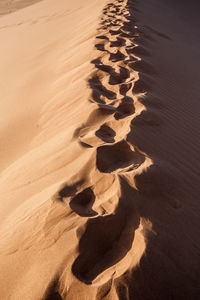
(98, 90)
(105, 68)
(100, 249)
(82, 203)
(97, 116)
(118, 56)
(118, 43)
(115, 32)
(86, 133)
(124, 88)
(118, 78)
(125, 108)
(68, 190)
(106, 134)
(102, 37)
(100, 47)
(119, 157)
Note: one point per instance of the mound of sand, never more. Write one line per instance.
(99, 150)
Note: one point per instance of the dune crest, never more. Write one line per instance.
(106, 255)
(94, 197)
(98, 182)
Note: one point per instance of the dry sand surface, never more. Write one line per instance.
(99, 152)
(9, 6)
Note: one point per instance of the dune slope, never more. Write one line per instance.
(99, 156)
(9, 6)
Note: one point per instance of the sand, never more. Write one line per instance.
(11, 6)
(99, 152)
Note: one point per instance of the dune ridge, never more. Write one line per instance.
(91, 200)
(97, 191)
(101, 200)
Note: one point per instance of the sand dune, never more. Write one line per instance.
(99, 150)
(10, 6)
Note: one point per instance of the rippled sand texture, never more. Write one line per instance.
(99, 164)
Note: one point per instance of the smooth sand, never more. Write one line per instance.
(99, 152)
(10, 6)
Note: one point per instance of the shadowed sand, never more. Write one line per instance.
(99, 199)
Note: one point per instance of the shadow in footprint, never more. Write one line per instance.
(85, 145)
(118, 56)
(118, 78)
(99, 65)
(118, 43)
(124, 88)
(115, 78)
(126, 108)
(82, 203)
(100, 47)
(102, 37)
(54, 296)
(115, 32)
(99, 90)
(111, 158)
(106, 240)
(106, 134)
(52, 293)
(68, 190)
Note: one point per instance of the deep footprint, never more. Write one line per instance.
(82, 203)
(125, 108)
(99, 90)
(100, 249)
(118, 157)
(106, 134)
